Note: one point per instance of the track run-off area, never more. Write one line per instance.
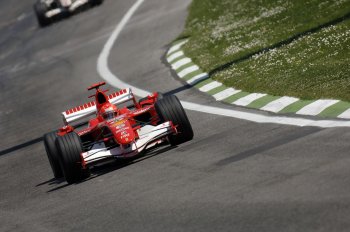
(239, 173)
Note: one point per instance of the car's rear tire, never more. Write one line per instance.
(170, 109)
(53, 153)
(40, 9)
(71, 147)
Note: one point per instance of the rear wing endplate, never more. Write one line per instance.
(89, 108)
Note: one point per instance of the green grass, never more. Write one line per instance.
(313, 66)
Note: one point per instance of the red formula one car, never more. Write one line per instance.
(119, 127)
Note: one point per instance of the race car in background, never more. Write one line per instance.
(48, 11)
(118, 127)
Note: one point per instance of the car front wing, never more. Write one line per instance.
(148, 136)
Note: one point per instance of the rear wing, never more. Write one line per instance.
(89, 108)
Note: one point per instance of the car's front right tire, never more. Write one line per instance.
(169, 108)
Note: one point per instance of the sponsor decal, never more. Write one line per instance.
(125, 136)
(118, 123)
(120, 127)
(140, 111)
(84, 131)
(120, 130)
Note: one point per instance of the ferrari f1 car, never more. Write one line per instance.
(118, 127)
(49, 10)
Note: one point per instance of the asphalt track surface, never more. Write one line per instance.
(235, 175)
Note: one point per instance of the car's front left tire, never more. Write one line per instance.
(96, 2)
(53, 153)
(71, 148)
(40, 10)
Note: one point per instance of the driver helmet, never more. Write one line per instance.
(108, 111)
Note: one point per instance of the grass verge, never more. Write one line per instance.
(314, 65)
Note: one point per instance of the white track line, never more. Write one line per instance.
(102, 62)
(107, 75)
(279, 104)
(316, 107)
(263, 118)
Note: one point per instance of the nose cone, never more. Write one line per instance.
(123, 132)
(125, 137)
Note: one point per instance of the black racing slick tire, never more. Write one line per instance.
(96, 2)
(53, 153)
(170, 109)
(40, 10)
(71, 147)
